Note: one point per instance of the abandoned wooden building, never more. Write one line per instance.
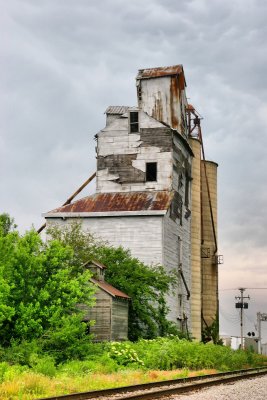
(156, 194)
(110, 312)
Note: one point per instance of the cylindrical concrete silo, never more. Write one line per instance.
(196, 239)
(209, 242)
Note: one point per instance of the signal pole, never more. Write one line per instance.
(241, 304)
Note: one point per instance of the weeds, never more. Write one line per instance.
(114, 364)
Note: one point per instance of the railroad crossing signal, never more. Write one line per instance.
(241, 305)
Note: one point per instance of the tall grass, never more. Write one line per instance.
(167, 354)
(115, 364)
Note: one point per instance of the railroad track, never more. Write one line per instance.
(163, 388)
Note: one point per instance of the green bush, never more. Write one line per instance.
(44, 365)
(173, 353)
(10, 372)
(156, 354)
(21, 352)
(124, 354)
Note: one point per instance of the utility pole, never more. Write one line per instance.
(241, 304)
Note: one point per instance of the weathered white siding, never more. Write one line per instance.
(141, 234)
(116, 144)
(153, 240)
(173, 254)
(162, 99)
(157, 99)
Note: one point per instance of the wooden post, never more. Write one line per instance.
(69, 200)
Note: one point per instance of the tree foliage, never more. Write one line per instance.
(146, 285)
(39, 290)
(6, 223)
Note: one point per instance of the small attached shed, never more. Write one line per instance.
(110, 311)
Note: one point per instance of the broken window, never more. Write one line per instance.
(151, 171)
(134, 122)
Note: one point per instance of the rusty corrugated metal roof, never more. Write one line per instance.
(160, 71)
(110, 289)
(121, 201)
(117, 110)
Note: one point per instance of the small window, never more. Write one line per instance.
(151, 171)
(134, 123)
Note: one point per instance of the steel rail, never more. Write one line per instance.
(163, 388)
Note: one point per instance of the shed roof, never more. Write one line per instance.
(120, 201)
(159, 71)
(117, 110)
(96, 263)
(110, 289)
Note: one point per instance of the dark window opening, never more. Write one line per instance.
(151, 171)
(186, 200)
(134, 123)
(187, 189)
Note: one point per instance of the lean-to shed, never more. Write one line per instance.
(110, 311)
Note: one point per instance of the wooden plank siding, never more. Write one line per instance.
(119, 322)
(101, 314)
(110, 315)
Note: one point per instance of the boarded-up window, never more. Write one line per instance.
(134, 122)
(151, 171)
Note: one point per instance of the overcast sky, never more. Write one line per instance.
(63, 62)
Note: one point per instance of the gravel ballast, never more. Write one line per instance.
(249, 389)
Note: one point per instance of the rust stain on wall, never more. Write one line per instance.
(174, 100)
